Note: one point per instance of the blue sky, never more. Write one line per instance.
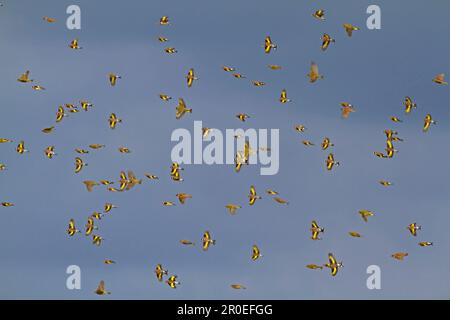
(374, 70)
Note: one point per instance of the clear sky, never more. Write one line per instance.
(374, 70)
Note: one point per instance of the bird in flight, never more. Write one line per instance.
(440, 79)
(269, 45)
(333, 264)
(207, 240)
(253, 196)
(316, 230)
(314, 74)
(349, 28)
(181, 109)
(190, 77)
(326, 40)
(319, 14)
(256, 253)
(232, 208)
(101, 289)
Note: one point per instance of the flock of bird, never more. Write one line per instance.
(128, 180)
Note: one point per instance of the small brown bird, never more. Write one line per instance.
(182, 197)
(399, 255)
(314, 74)
(90, 184)
(346, 109)
(49, 20)
(440, 79)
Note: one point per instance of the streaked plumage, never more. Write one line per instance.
(314, 74)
